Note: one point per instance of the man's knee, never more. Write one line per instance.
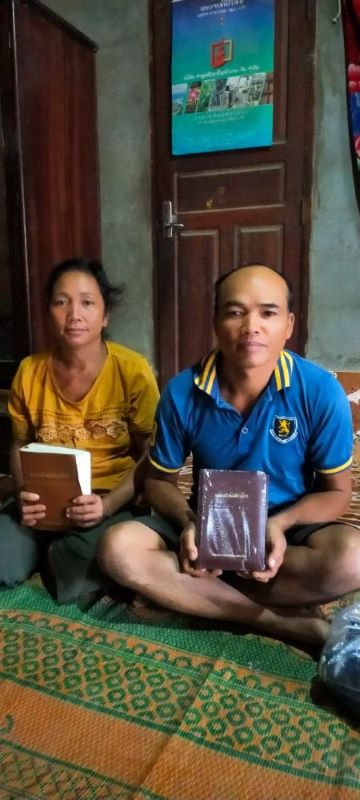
(348, 554)
(341, 556)
(116, 549)
(122, 550)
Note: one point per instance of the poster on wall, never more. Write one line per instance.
(351, 28)
(222, 75)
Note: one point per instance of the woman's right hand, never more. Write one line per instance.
(31, 511)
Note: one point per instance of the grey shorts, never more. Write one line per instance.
(168, 532)
(299, 533)
(296, 535)
(67, 563)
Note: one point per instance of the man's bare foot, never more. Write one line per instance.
(139, 601)
(295, 624)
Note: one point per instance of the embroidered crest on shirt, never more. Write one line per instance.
(284, 429)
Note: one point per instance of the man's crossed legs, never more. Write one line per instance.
(325, 567)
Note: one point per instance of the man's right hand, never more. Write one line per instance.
(31, 511)
(189, 554)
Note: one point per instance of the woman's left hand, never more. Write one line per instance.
(86, 511)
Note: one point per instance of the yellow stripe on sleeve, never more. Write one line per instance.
(162, 469)
(336, 469)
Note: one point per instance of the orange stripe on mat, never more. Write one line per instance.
(100, 742)
(185, 770)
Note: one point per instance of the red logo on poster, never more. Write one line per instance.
(221, 52)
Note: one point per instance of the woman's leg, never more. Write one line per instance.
(19, 548)
(69, 568)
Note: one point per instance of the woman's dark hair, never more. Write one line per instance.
(112, 295)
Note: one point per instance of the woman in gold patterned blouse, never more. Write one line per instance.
(87, 393)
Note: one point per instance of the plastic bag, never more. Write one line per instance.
(339, 664)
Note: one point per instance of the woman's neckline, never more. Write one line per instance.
(60, 393)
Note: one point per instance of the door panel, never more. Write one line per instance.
(237, 207)
(261, 185)
(259, 244)
(199, 259)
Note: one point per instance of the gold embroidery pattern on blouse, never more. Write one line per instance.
(90, 429)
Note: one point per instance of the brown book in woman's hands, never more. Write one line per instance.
(57, 475)
(231, 520)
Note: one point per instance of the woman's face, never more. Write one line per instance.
(77, 310)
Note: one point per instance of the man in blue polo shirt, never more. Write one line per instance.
(249, 405)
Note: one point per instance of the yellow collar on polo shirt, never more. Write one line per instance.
(205, 379)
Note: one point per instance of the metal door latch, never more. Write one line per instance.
(169, 222)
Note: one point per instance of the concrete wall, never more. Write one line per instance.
(120, 29)
(334, 303)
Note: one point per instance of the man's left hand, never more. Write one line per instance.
(275, 551)
(86, 511)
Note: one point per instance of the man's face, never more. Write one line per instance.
(252, 321)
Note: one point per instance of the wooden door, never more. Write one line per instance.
(237, 207)
(49, 137)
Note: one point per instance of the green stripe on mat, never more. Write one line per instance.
(291, 703)
(187, 634)
(178, 664)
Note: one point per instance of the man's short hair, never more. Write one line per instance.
(220, 281)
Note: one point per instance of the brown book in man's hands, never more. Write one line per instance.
(231, 520)
(57, 475)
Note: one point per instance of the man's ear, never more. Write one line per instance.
(290, 325)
